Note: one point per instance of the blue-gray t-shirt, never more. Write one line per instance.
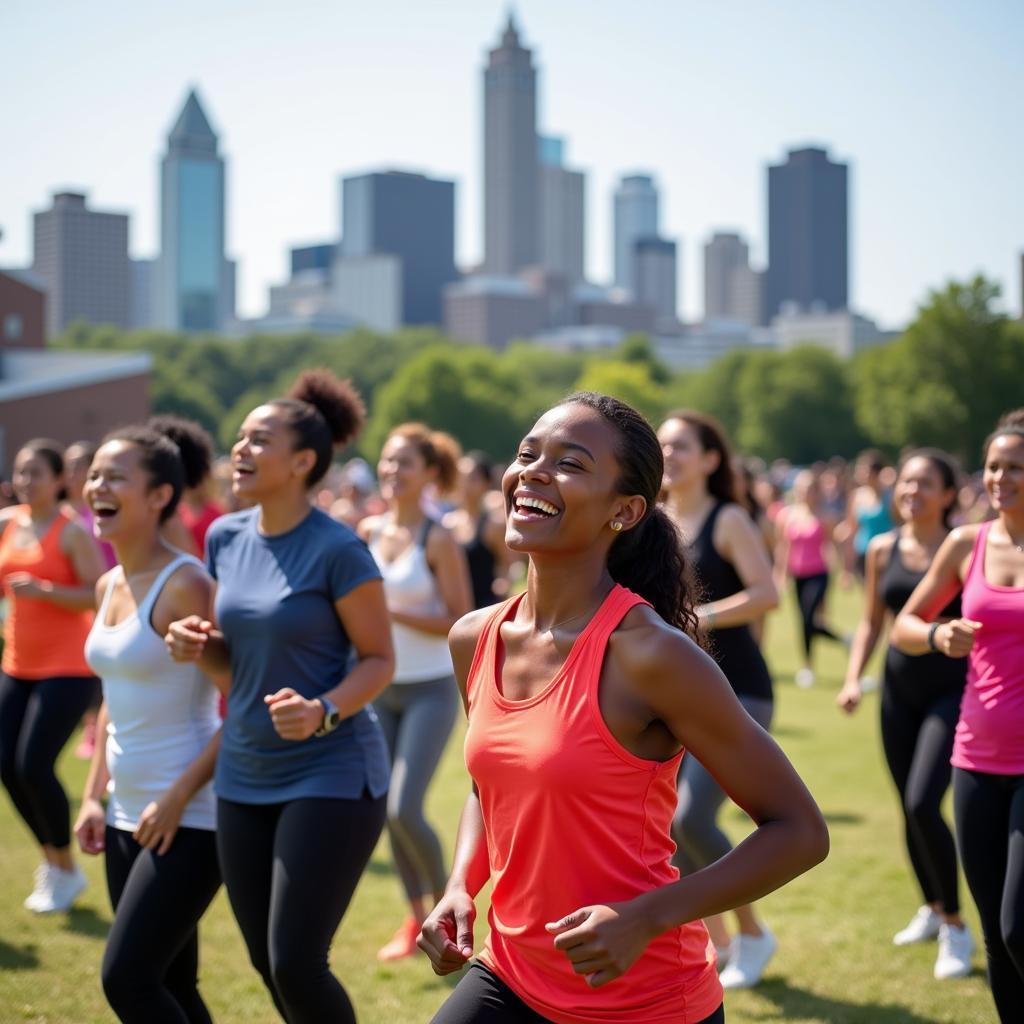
(275, 605)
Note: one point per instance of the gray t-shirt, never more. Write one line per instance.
(275, 605)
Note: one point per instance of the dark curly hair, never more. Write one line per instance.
(322, 412)
(173, 451)
(1011, 423)
(650, 559)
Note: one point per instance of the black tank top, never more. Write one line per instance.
(481, 566)
(922, 679)
(733, 647)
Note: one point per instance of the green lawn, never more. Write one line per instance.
(835, 965)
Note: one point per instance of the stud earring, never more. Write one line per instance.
(616, 525)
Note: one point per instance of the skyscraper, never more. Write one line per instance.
(511, 187)
(411, 217)
(194, 289)
(82, 257)
(636, 216)
(807, 233)
(731, 288)
(562, 205)
(654, 275)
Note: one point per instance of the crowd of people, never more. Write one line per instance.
(272, 651)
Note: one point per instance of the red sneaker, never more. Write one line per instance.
(403, 942)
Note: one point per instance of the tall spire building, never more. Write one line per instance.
(511, 171)
(195, 290)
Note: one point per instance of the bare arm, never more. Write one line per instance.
(940, 585)
(738, 541)
(603, 941)
(87, 561)
(447, 934)
(447, 562)
(363, 613)
(869, 629)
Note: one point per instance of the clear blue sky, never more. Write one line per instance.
(923, 98)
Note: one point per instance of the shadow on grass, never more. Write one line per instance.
(797, 1002)
(14, 958)
(85, 921)
(843, 818)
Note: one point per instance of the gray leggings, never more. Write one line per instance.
(695, 827)
(417, 719)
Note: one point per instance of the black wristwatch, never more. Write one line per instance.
(332, 718)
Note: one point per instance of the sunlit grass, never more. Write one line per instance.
(835, 965)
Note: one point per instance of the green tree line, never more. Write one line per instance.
(944, 382)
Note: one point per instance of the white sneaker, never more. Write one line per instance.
(924, 926)
(722, 956)
(804, 678)
(64, 889)
(41, 892)
(748, 957)
(955, 948)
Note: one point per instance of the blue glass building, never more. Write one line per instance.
(194, 292)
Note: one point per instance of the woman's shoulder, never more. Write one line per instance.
(646, 647)
(230, 524)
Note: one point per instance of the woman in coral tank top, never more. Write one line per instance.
(581, 694)
(987, 561)
(48, 569)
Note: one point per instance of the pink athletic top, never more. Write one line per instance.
(806, 538)
(990, 734)
(572, 818)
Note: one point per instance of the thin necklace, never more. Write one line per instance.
(579, 615)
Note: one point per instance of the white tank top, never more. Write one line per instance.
(162, 713)
(409, 586)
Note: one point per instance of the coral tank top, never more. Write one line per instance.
(572, 818)
(990, 734)
(42, 639)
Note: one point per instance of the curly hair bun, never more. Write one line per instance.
(194, 445)
(336, 400)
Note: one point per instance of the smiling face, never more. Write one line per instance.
(120, 493)
(686, 461)
(264, 459)
(35, 482)
(920, 494)
(561, 490)
(1004, 474)
(402, 471)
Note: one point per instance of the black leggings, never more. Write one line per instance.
(989, 813)
(290, 871)
(151, 963)
(481, 997)
(810, 595)
(918, 742)
(37, 717)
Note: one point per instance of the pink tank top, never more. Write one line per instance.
(572, 818)
(806, 538)
(990, 734)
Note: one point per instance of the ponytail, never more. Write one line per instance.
(650, 559)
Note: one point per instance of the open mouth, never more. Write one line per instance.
(242, 471)
(104, 510)
(529, 507)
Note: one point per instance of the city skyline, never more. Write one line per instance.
(932, 184)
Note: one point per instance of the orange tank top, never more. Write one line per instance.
(573, 818)
(41, 639)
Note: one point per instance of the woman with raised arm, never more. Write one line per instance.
(48, 566)
(986, 560)
(426, 582)
(735, 576)
(581, 693)
(920, 700)
(301, 624)
(160, 726)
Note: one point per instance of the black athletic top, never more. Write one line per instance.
(481, 566)
(923, 678)
(733, 647)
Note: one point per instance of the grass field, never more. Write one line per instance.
(835, 965)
